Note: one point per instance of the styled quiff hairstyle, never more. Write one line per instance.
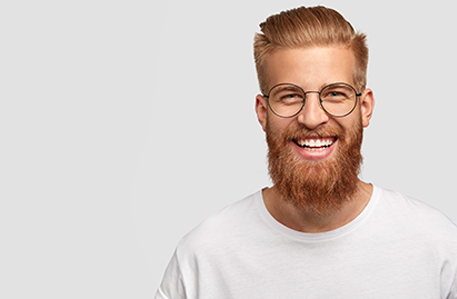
(307, 27)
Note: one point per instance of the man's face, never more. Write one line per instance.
(314, 158)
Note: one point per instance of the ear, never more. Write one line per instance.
(367, 106)
(261, 107)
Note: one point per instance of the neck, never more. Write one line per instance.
(309, 222)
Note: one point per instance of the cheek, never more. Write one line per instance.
(350, 122)
(276, 125)
(353, 131)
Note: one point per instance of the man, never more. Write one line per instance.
(319, 232)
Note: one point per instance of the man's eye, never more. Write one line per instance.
(292, 96)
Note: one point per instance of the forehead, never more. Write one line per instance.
(310, 68)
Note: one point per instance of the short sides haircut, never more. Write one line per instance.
(307, 27)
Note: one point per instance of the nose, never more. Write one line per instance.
(312, 114)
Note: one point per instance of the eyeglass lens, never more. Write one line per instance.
(286, 100)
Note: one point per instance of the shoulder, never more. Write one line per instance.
(223, 227)
(408, 206)
(410, 214)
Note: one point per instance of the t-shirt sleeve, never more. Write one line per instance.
(172, 286)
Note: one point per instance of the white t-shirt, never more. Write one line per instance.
(397, 247)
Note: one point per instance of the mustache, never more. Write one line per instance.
(322, 132)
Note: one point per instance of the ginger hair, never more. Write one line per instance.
(307, 27)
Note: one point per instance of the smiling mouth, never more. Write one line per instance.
(315, 144)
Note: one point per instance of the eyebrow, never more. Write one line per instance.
(330, 83)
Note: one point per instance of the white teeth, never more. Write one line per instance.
(315, 144)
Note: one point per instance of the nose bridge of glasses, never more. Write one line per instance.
(313, 91)
(311, 104)
(318, 94)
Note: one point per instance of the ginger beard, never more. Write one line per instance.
(321, 187)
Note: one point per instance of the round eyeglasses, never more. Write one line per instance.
(286, 100)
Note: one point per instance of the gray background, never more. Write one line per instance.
(124, 124)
